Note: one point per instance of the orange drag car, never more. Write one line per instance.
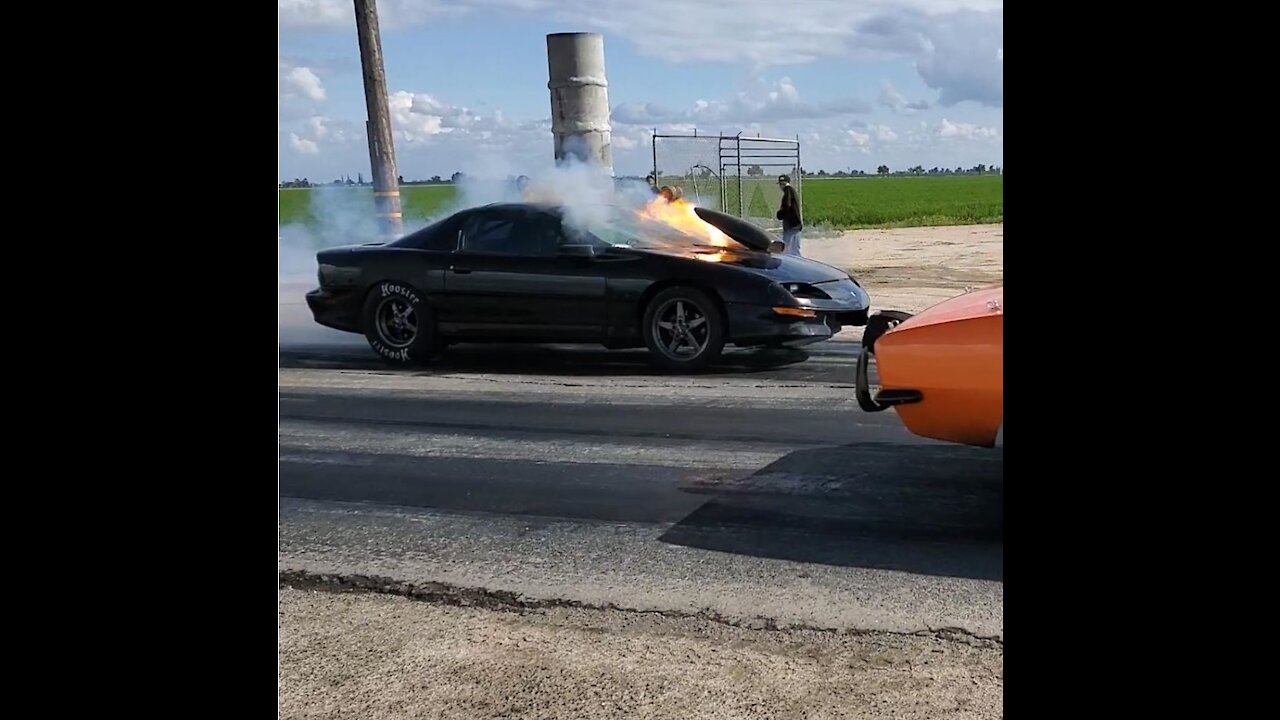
(942, 370)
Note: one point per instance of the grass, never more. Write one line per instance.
(418, 202)
(904, 201)
(834, 203)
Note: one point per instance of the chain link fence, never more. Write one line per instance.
(730, 173)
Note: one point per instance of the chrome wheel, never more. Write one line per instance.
(396, 322)
(681, 329)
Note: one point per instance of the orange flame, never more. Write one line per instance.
(679, 214)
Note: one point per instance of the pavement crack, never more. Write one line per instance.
(502, 600)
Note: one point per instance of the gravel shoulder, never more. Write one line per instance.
(375, 656)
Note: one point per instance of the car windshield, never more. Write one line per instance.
(620, 226)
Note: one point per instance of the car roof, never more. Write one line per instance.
(521, 206)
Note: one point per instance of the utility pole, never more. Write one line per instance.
(382, 153)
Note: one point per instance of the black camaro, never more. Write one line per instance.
(544, 273)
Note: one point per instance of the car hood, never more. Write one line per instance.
(740, 230)
(779, 268)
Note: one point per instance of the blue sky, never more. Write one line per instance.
(862, 82)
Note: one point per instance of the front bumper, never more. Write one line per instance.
(337, 309)
(751, 325)
(877, 325)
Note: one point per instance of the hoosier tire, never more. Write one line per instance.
(399, 324)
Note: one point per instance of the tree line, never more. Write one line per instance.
(884, 171)
(753, 171)
(346, 181)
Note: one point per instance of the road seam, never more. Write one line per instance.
(503, 600)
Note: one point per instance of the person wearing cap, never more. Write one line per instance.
(789, 214)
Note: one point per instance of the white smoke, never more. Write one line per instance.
(584, 190)
(347, 216)
(338, 216)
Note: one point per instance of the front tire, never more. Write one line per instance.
(684, 330)
(399, 324)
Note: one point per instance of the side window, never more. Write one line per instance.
(441, 236)
(539, 234)
(532, 235)
(491, 234)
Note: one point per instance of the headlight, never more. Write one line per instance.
(779, 294)
(806, 291)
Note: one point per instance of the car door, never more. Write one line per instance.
(508, 279)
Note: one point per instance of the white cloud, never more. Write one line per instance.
(303, 82)
(302, 145)
(948, 129)
(318, 127)
(760, 102)
(315, 13)
(341, 13)
(891, 98)
(494, 147)
(885, 134)
(320, 135)
(333, 132)
(433, 136)
(965, 58)
(755, 31)
(900, 145)
(957, 44)
(300, 90)
(418, 116)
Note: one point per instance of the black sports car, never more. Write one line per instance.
(545, 273)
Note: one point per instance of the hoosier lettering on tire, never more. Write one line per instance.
(399, 324)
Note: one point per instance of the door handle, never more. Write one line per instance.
(461, 271)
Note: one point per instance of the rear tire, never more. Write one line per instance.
(684, 330)
(399, 324)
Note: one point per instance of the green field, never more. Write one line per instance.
(834, 203)
(903, 201)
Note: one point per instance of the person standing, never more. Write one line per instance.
(789, 214)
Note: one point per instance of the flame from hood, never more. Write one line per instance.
(679, 214)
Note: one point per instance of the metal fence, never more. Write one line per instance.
(731, 173)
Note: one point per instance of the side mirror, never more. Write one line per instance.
(777, 247)
(583, 251)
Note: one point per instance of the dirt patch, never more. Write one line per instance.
(912, 268)
(383, 656)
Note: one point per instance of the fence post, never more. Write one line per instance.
(742, 211)
(724, 193)
(799, 176)
(654, 143)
